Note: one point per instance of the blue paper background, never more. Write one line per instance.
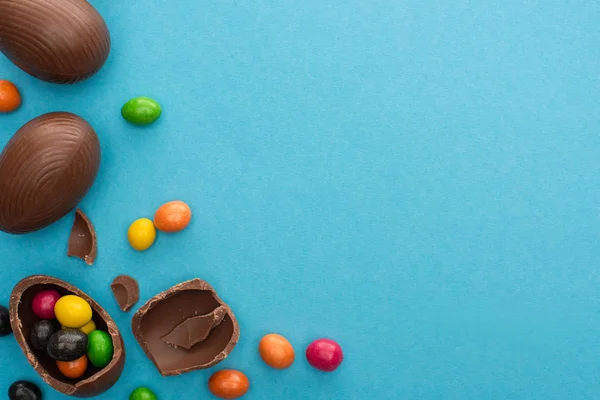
(417, 180)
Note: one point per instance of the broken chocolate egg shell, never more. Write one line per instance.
(126, 291)
(46, 168)
(95, 381)
(61, 41)
(185, 328)
(82, 240)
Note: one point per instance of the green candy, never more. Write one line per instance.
(141, 110)
(142, 393)
(100, 348)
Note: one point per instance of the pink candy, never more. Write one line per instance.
(43, 303)
(324, 354)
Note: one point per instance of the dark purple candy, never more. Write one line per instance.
(41, 331)
(24, 390)
(5, 328)
(67, 345)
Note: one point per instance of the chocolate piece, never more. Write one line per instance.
(126, 291)
(82, 241)
(161, 325)
(195, 329)
(95, 381)
(62, 41)
(45, 170)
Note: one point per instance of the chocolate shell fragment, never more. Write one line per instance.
(185, 328)
(61, 41)
(46, 168)
(95, 381)
(126, 291)
(82, 241)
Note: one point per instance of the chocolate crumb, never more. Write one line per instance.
(82, 241)
(126, 291)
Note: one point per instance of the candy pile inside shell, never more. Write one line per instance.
(62, 41)
(46, 168)
(22, 318)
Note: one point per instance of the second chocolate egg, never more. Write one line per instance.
(46, 168)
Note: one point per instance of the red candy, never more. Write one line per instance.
(43, 303)
(324, 354)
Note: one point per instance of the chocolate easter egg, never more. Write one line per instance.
(61, 41)
(45, 170)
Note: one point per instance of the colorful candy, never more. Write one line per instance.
(72, 311)
(73, 369)
(141, 110)
(89, 327)
(276, 351)
(324, 354)
(10, 98)
(141, 234)
(5, 328)
(41, 332)
(228, 384)
(100, 349)
(24, 390)
(142, 393)
(44, 302)
(173, 216)
(67, 345)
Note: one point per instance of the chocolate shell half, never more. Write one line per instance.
(95, 381)
(185, 328)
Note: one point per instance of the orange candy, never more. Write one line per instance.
(276, 351)
(173, 216)
(10, 98)
(228, 384)
(73, 369)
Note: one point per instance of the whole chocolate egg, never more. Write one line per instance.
(45, 170)
(61, 41)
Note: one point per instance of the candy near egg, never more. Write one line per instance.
(141, 234)
(41, 332)
(24, 390)
(67, 345)
(100, 349)
(142, 393)
(72, 311)
(73, 369)
(43, 303)
(10, 98)
(228, 384)
(173, 216)
(276, 351)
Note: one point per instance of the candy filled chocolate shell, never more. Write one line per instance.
(46, 168)
(95, 381)
(185, 328)
(61, 41)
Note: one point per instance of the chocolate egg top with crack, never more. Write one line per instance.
(186, 327)
(95, 381)
(46, 168)
(62, 41)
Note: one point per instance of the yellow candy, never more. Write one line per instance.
(141, 234)
(72, 311)
(89, 327)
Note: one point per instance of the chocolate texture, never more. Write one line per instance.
(82, 240)
(126, 291)
(46, 168)
(95, 381)
(61, 41)
(185, 328)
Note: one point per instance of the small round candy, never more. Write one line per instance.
(89, 327)
(67, 345)
(10, 98)
(5, 328)
(324, 354)
(141, 234)
(228, 384)
(44, 302)
(276, 351)
(100, 348)
(142, 393)
(73, 311)
(141, 110)
(41, 332)
(173, 216)
(73, 369)
(24, 390)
